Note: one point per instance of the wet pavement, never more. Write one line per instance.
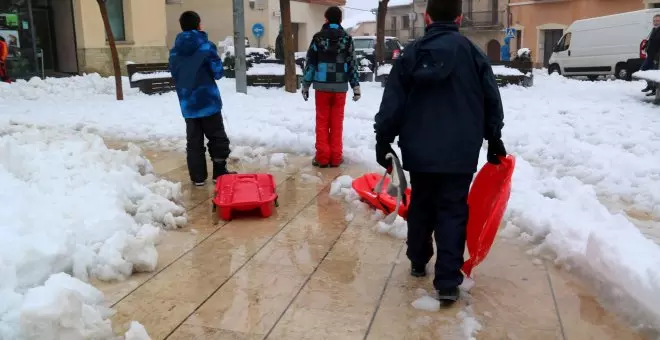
(306, 273)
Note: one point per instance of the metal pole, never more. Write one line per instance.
(239, 46)
(33, 33)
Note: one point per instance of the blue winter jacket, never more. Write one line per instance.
(331, 63)
(195, 66)
(441, 99)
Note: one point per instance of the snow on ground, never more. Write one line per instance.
(653, 75)
(73, 209)
(153, 75)
(270, 69)
(582, 147)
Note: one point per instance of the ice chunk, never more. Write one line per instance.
(427, 303)
(136, 332)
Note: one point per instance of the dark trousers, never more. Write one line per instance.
(439, 205)
(214, 129)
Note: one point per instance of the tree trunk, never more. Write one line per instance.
(380, 31)
(290, 77)
(113, 49)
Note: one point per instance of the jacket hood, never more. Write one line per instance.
(188, 42)
(437, 56)
(329, 38)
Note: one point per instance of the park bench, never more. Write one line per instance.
(652, 76)
(513, 73)
(270, 75)
(150, 78)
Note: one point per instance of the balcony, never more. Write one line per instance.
(484, 19)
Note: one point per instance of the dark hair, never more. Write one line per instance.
(189, 20)
(2, 38)
(333, 15)
(444, 10)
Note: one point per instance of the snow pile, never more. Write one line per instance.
(270, 69)
(653, 75)
(136, 332)
(568, 223)
(155, 75)
(73, 206)
(56, 89)
(231, 51)
(500, 70)
(384, 70)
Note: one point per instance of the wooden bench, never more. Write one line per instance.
(269, 81)
(150, 85)
(643, 75)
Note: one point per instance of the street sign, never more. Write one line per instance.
(258, 30)
(510, 32)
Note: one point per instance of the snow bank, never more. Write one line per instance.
(501, 70)
(63, 90)
(73, 206)
(653, 75)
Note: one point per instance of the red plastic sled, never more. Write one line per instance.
(488, 199)
(245, 192)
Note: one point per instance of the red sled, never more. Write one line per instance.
(488, 200)
(244, 192)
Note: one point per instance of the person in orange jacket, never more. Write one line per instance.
(4, 53)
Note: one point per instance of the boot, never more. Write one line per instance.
(647, 88)
(418, 270)
(448, 297)
(651, 94)
(319, 165)
(220, 169)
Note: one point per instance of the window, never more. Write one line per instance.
(363, 43)
(116, 18)
(394, 23)
(405, 22)
(564, 43)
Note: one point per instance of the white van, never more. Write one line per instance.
(604, 46)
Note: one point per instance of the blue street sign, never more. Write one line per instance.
(510, 32)
(258, 30)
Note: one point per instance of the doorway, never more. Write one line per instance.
(295, 28)
(493, 50)
(550, 39)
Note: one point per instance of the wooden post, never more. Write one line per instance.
(113, 49)
(380, 31)
(290, 77)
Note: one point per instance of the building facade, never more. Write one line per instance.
(307, 17)
(62, 37)
(541, 23)
(483, 22)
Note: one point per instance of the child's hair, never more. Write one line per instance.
(2, 38)
(444, 10)
(189, 20)
(333, 15)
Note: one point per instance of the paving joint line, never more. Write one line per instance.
(248, 260)
(554, 300)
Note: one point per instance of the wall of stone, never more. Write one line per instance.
(98, 60)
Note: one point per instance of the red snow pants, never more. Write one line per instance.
(329, 127)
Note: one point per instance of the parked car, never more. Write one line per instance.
(604, 46)
(366, 46)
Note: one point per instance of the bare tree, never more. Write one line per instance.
(380, 31)
(290, 77)
(113, 49)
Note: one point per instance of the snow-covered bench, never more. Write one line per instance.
(652, 76)
(150, 78)
(270, 75)
(513, 73)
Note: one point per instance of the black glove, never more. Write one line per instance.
(382, 149)
(305, 93)
(495, 151)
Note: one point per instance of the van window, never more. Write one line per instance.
(565, 43)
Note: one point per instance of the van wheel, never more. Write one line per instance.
(592, 78)
(554, 68)
(621, 72)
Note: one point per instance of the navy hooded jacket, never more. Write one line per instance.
(195, 66)
(442, 100)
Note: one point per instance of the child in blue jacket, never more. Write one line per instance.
(195, 66)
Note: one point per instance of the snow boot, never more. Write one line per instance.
(220, 169)
(448, 297)
(418, 270)
(319, 165)
(200, 184)
(647, 88)
(338, 164)
(651, 94)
